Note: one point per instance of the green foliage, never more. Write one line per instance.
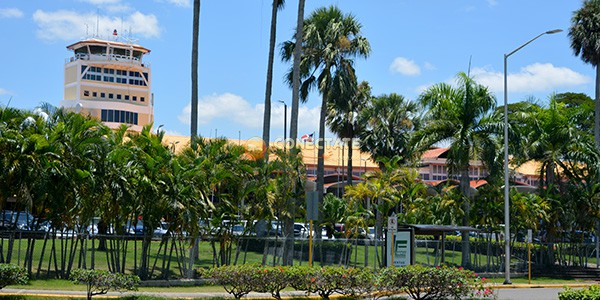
(99, 282)
(590, 293)
(272, 280)
(417, 281)
(237, 280)
(12, 274)
(421, 282)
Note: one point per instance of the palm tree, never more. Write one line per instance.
(195, 33)
(390, 121)
(295, 82)
(331, 39)
(462, 116)
(555, 140)
(342, 117)
(277, 4)
(585, 41)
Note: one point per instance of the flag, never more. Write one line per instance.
(307, 137)
(115, 32)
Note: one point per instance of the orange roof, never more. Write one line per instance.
(531, 167)
(434, 153)
(477, 183)
(333, 155)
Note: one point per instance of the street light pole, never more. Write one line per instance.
(284, 125)
(506, 186)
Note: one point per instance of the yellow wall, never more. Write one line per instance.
(70, 74)
(144, 119)
(70, 93)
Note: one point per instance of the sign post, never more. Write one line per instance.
(392, 228)
(312, 213)
(529, 241)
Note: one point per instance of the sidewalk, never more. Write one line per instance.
(506, 292)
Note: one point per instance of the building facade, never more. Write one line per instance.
(109, 81)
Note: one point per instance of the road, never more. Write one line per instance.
(504, 293)
(529, 293)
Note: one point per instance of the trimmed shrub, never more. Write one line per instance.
(590, 293)
(422, 283)
(236, 280)
(331, 279)
(271, 280)
(357, 282)
(12, 274)
(417, 282)
(99, 282)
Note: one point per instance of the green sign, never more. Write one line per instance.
(402, 248)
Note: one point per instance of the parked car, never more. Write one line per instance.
(136, 228)
(301, 230)
(20, 220)
(161, 230)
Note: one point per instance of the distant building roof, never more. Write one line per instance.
(435, 153)
(531, 167)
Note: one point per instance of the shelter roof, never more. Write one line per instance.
(429, 229)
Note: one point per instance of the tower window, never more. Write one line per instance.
(102, 95)
(110, 96)
(134, 98)
(94, 94)
(86, 93)
(118, 96)
(127, 97)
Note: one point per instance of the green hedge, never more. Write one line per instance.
(417, 282)
(590, 293)
(12, 274)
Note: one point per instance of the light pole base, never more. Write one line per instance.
(507, 282)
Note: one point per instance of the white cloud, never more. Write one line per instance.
(229, 106)
(492, 2)
(405, 66)
(171, 132)
(239, 111)
(429, 66)
(536, 77)
(182, 3)
(71, 25)
(10, 13)
(422, 88)
(119, 8)
(4, 92)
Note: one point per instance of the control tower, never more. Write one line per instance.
(109, 81)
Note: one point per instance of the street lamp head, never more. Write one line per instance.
(281, 101)
(553, 31)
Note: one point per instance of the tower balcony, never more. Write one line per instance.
(115, 58)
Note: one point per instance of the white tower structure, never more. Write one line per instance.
(109, 81)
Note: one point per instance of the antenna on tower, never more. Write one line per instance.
(87, 31)
(97, 22)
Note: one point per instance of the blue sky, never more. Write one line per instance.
(414, 44)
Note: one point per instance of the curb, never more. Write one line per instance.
(224, 295)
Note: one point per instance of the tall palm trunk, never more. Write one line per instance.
(296, 72)
(465, 191)
(194, 113)
(288, 249)
(267, 113)
(597, 110)
(321, 149)
(349, 174)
